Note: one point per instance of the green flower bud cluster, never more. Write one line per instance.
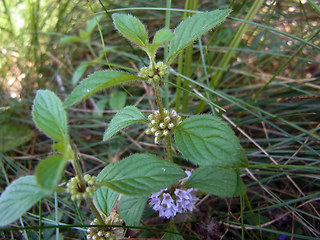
(77, 192)
(110, 233)
(162, 126)
(160, 72)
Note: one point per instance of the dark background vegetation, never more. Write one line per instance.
(269, 89)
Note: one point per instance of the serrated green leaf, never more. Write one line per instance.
(49, 171)
(192, 28)
(130, 208)
(124, 118)
(70, 39)
(217, 181)
(105, 199)
(49, 115)
(78, 73)
(18, 197)
(118, 100)
(97, 82)
(131, 28)
(140, 174)
(162, 36)
(207, 140)
(13, 135)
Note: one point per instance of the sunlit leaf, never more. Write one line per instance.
(194, 27)
(131, 28)
(49, 115)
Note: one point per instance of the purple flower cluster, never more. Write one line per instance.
(168, 206)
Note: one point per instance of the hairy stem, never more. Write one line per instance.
(76, 168)
(158, 97)
(95, 211)
(161, 111)
(169, 148)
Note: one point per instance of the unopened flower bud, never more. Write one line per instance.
(173, 113)
(151, 117)
(166, 119)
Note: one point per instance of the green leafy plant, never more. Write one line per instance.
(205, 140)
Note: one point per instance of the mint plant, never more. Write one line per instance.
(204, 140)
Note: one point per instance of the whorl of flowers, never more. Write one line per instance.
(110, 233)
(77, 193)
(168, 204)
(161, 70)
(162, 126)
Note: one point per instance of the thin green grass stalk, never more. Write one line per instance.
(241, 216)
(281, 67)
(166, 51)
(24, 231)
(277, 199)
(187, 65)
(314, 5)
(215, 59)
(40, 219)
(61, 11)
(208, 101)
(4, 171)
(184, 60)
(178, 80)
(235, 43)
(7, 12)
(243, 105)
(101, 36)
(231, 18)
(206, 74)
(276, 31)
(215, 79)
(280, 166)
(56, 213)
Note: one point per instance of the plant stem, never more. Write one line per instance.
(166, 51)
(95, 211)
(158, 97)
(76, 167)
(169, 148)
(161, 111)
(78, 173)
